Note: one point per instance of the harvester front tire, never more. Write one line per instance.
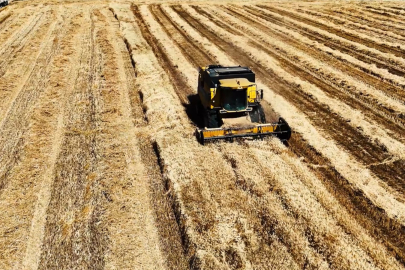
(211, 119)
(257, 115)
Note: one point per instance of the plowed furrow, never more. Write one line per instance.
(333, 125)
(74, 235)
(343, 34)
(373, 107)
(366, 57)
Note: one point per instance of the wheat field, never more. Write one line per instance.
(100, 167)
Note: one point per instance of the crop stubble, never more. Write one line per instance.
(100, 121)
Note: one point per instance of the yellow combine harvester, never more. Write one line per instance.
(229, 93)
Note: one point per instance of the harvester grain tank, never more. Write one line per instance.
(228, 93)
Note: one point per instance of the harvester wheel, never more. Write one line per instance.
(211, 119)
(257, 115)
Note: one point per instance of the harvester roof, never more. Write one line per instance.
(221, 70)
(235, 83)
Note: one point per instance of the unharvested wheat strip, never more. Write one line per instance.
(386, 56)
(336, 30)
(211, 49)
(134, 234)
(169, 44)
(36, 159)
(356, 117)
(354, 172)
(354, 26)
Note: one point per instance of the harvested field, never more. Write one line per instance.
(100, 167)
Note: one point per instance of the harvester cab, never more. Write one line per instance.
(229, 93)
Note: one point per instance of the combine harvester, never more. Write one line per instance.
(230, 106)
